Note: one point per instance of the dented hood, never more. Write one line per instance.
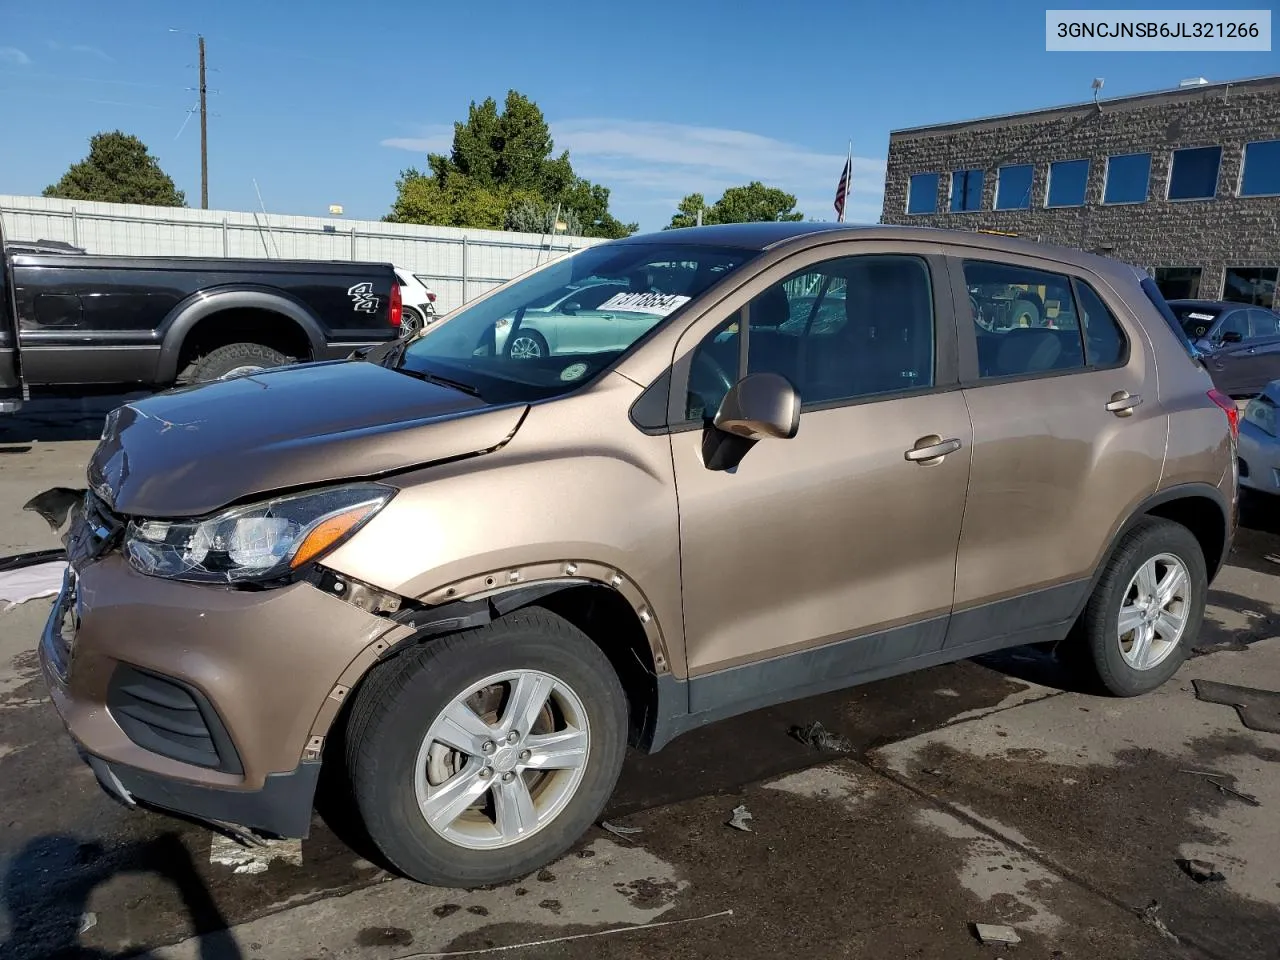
(188, 452)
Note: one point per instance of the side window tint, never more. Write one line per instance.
(847, 329)
(1105, 343)
(714, 369)
(1263, 325)
(1025, 320)
(1234, 322)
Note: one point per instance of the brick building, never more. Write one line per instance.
(1184, 182)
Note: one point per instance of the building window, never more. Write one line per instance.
(1178, 283)
(1067, 182)
(1127, 178)
(1013, 187)
(1252, 285)
(1194, 175)
(922, 195)
(966, 190)
(1261, 174)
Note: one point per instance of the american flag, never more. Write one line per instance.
(842, 191)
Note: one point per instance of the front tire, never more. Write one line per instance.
(477, 758)
(1146, 609)
(528, 345)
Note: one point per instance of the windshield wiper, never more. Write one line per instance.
(440, 381)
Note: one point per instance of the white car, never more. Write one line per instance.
(418, 298)
(560, 317)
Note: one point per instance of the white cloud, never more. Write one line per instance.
(650, 165)
(81, 50)
(14, 57)
(432, 138)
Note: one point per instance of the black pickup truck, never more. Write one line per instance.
(74, 323)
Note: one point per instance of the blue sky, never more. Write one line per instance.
(325, 102)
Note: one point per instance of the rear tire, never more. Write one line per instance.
(398, 715)
(1128, 663)
(235, 359)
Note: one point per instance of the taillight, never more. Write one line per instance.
(431, 296)
(1229, 408)
(395, 311)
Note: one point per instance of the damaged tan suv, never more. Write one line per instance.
(775, 460)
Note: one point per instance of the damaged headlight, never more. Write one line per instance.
(261, 541)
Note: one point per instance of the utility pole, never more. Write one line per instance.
(204, 135)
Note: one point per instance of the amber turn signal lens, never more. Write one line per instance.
(328, 532)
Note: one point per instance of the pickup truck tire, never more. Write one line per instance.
(461, 688)
(1131, 638)
(235, 359)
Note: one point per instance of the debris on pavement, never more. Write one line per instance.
(229, 852)
(1258, 709)
(88, 922)
(621, 832)
(590, 934)
(1217, 778)
(996, 933)
(1201, 871)
(31, 583)
(820, 738)
(740, 817)
(1150, 916)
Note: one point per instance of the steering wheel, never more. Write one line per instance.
(709, 379)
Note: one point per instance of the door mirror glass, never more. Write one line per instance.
(760, 406)
(1231, 336)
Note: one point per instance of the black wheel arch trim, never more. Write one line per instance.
(205, 303)
(1180, 491)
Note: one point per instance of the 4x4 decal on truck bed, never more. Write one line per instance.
(363, 298)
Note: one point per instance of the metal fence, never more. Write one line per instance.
(459, 263)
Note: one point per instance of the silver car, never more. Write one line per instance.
(1259, 450)
(558, 324)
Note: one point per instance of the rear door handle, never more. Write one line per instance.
(931, 448)
(1122, 403)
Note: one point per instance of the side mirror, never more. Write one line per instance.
(760, 406)
(1232, 336)
(571, 307)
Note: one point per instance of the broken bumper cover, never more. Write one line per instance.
(282, 808)
(197, 700)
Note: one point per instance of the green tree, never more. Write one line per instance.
(752, 203)
(500, 159)
(118, 169)
(535, 216)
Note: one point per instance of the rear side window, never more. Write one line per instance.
(1104, 340)
(1025, 320)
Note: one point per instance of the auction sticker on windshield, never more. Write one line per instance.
(657, 304)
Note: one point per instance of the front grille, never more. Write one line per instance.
(170, 718)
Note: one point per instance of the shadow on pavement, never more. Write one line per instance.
(46, 916)
(54, 419)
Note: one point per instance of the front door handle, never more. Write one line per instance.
(1122, 403)
(931, 449)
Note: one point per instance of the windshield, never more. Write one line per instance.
(558, 327)
(1195, 319)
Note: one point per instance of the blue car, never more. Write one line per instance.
(1240, 343)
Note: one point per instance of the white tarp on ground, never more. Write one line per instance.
(29, 583)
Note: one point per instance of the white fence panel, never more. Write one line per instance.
(458, 263)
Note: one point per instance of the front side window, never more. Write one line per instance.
(922, 193)
(1068, 180)
(966, 190)
(1263, 325)
(1233, 328)
(1252, 285)
(1013, 186)
(555, 329)
(1026, 321)
(1194, 174)
(1261, 174)
(1127, 178)
(844, 330)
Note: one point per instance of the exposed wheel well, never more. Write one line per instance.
(1204, 519)
(244, 325)
(608, 619)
